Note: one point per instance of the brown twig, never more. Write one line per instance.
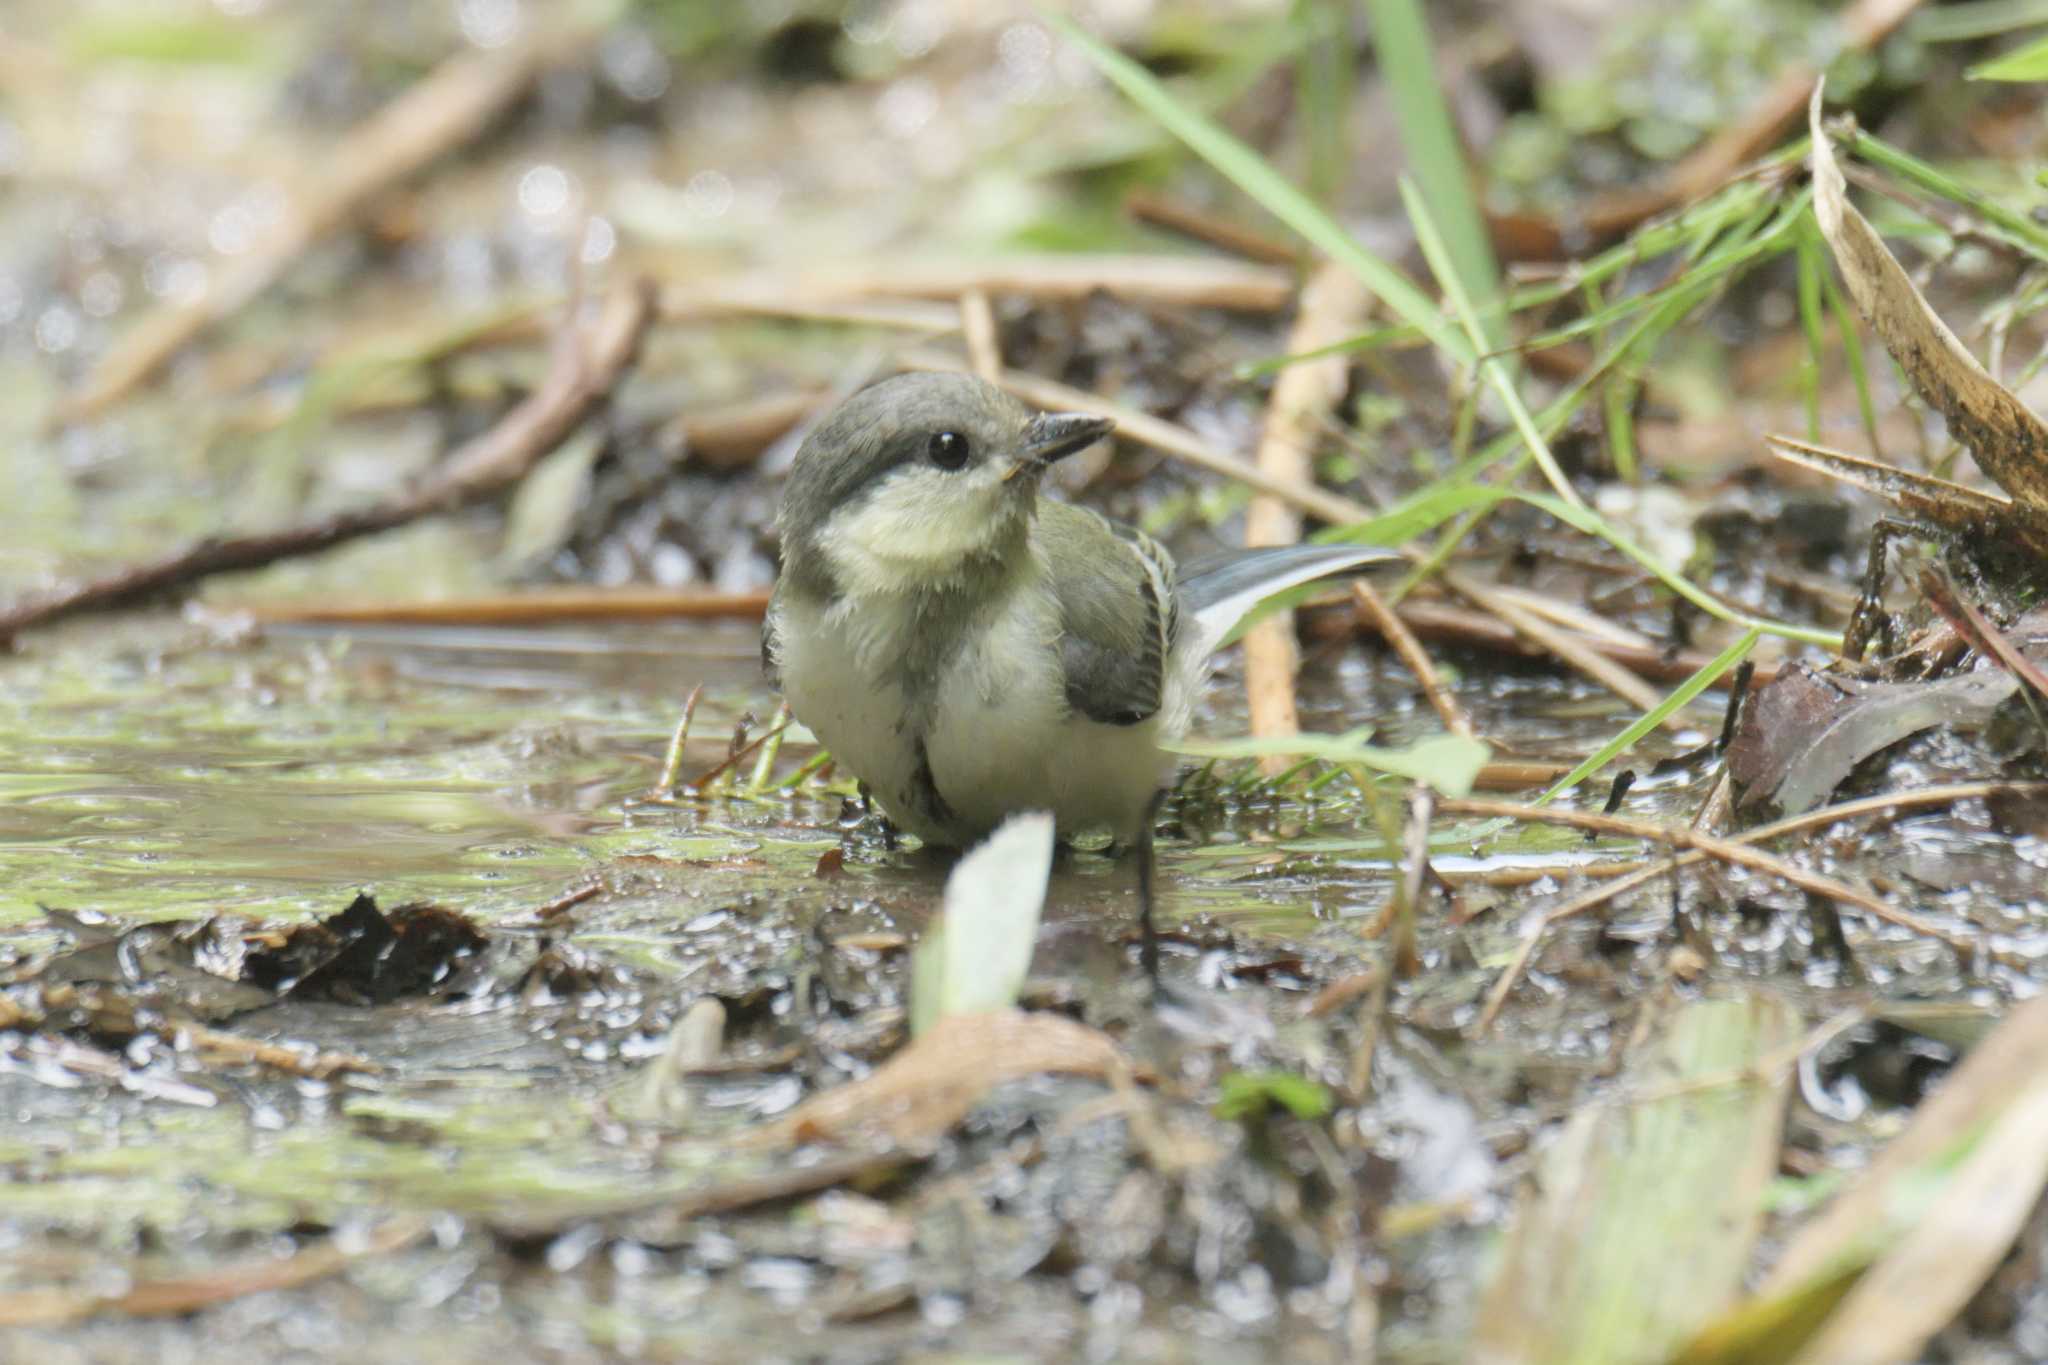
(1374, 609)
(1740, 853)
(1183, 281)
(537, 607)
(1514, 775)
(567, 901)
(448, 108)
(1567, 647)
(1177, 215)
(190, 1293)
(233, 1047)
(583, 372)
(1448, 623)
(1973, 625)
(1333, 303)
(734, 435)
(1702, 850)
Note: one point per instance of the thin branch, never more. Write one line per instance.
(584, 370)
(1565, 646)
(541, 606)
(1373, 608)
(1702, 848)
(190, 1293)
(1177, 215)
(1452, 624)
(459, 100)
(1738, 852)
(1182, 281)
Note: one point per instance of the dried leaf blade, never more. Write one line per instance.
(2009, 441)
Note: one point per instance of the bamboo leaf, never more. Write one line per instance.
(1641, 1219)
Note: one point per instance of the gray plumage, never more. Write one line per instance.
(969, 650)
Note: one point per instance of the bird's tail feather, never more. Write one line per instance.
(1216, 592)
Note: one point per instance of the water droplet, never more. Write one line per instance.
(709, 194)
(489, 23)
(544, 191)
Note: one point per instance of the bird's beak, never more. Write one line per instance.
(1055, 435)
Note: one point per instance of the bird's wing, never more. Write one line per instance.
(1217, 591)
(771, 645)
(1117, 613)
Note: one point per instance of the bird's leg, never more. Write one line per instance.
(1148, 930)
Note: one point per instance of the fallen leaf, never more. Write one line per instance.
(1803, 734)
(1895, 1257)
(923, 1091)
(2009, 442)
(977, 955)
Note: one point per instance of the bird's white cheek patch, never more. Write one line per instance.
(917, 526)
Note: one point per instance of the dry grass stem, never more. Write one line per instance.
(1180, 281)
(978, 329)
(1700, 852)
(540, 606)
(1333, 306)
(1568, 648)
(1373, 608)
(1177, 215)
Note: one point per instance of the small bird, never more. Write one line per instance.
(970, 650)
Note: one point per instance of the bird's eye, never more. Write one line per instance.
(948, 449)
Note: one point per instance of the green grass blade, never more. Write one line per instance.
(1811, 270)
(1753, 239)
(1436, 159)
(1364, 341)
(2017, 229)
(1322, 91)
(1492, 368)
(1251, 173)
(1618, 402)
(1852, 352)
(1708, 674)
(1960, 22)
(2029, 63)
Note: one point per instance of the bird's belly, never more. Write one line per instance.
(1002, 740)
(858, 715)
(995, 733)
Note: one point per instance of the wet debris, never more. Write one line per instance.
(177, 981)
(1803, 734)
(363, 956)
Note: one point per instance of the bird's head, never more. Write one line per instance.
(916, 480)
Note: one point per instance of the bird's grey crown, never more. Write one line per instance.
(883, 427)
